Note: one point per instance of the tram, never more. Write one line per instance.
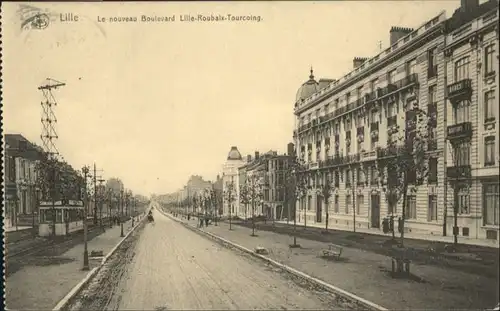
(68, 217)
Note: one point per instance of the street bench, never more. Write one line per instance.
(333, 251)
(261, 250)
(96, 254)
(400, 265)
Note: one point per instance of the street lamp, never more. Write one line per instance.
(85, 171)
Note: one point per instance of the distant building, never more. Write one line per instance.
(230, 177)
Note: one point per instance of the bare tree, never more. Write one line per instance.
(245, 197)
(325, 189)
(255, 195)
(404, 163)
(230, 195)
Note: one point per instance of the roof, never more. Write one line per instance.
(234, 154)
(307, 89)
(19, 146)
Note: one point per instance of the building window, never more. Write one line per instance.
(373, 85)
(327, 109)
(462, 154)
(433, 171)
(461, 111)
(374, 175)
(432, 63)
(391, 110)
(491, 199)
(336, 206)
(411, 66)
(318, 111)
(391, 76)
(432, 95)
(432, 212)
(489, 151)
(359, 91)
(462, 201)
(309, 203)
(489, 52)
(347, 203)
(489, 106)
(360, 201)
(462, 69)
(411, 207)
(347, 178)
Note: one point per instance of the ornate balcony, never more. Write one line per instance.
(459, 172)
(460, 88)
(459, 130)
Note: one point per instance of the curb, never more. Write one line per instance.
(77, 289)
(347, 295)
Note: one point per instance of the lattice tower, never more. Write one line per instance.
(48, 118)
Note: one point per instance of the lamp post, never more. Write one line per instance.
(85, 171)
(110, 218)
(121, 212)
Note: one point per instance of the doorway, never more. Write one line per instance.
(375, 211)
(319, 209)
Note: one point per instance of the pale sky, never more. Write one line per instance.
(153, 103)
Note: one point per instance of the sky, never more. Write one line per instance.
(152, 103)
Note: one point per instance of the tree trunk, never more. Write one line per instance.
(327, 214)
(405, 190)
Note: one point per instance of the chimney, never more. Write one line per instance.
(358, 61)
(249, 158)
(290, 149)
(397, 33)
(469, 5)
(256, 155)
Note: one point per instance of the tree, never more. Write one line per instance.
(245, 197)
(404, 163)
(296, 180)
(255, 195)
(325, 189)
(230, 196)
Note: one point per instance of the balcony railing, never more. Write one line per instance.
(459, 130)
(459, 172)
(462, 87)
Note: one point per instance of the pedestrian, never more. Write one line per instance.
(206, 221)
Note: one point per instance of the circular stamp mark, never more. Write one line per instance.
(38, 21)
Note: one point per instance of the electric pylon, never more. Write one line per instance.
(49, 120)
(49, 137)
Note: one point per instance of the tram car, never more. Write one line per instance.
(68, 217)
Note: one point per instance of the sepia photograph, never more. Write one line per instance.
(250, 155)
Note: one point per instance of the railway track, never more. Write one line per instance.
(31, 249)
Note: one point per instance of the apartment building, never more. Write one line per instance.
(252, 176)
(343, 127)
(471, 58)
(21, 158)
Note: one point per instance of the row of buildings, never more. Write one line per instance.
(447, 67)
(24, 190)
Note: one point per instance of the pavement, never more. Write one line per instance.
(46, 279)
(176, 269)
(408, 235)
(366, 274)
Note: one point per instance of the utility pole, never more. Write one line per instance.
(49, 137)
(121, 213)
(101, 201)
(85, 170)
(95, 192)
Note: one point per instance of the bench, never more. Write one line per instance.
(400, 266)
(333, 251)
(261, 250)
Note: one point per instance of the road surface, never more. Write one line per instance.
(175, 268)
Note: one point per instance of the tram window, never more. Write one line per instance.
(48, 215)
(59, 216)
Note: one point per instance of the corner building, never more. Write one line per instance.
(472, 176)
(343, 127)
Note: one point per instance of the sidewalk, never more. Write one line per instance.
(408, 235)
(44, 283)
(366, 274)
